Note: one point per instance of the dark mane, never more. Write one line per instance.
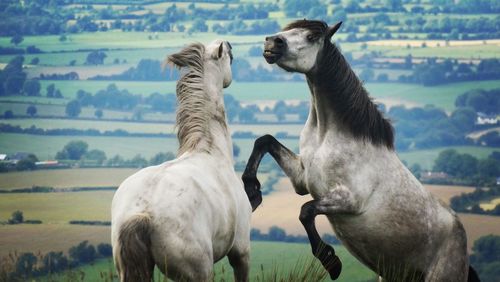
(317, 28)
(349, 99)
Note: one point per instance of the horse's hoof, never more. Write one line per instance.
(335, 268)
(330, 261)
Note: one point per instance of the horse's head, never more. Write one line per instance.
(220, 53)
(298, 46)
(217, 56)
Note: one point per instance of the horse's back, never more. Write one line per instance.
(196, 206)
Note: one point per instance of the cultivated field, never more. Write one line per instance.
(280, 208)
(283, 206)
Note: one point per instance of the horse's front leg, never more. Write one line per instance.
(286, 159)
(338, 201)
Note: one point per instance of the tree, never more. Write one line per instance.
(31, 110)
(98, 113)
(95, 58)
(236, 150)
(96, 155)
(83, 253)
(246, 115)
(32, 87)
(73, 108)
(16, 39)
(74, 150)
(161, 158)
(199, 25)
(25, 265)
(28, 163)
(16, 217)
(55, 262)
(105, 250)
(276, 234)
(299, 8)
(51, 90)
(35, 61)
(8, 114)
(367, 75)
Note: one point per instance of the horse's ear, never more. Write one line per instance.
(332, 29)
(218, 54)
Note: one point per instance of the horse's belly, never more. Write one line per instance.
(373, 239)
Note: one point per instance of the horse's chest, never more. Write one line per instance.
(324, 167)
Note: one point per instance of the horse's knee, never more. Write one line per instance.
(264, 141)
(307, 213)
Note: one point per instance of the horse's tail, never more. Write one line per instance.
(473, 277)
(133, 257)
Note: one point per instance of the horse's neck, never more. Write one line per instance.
(217, 124)
(329, 89)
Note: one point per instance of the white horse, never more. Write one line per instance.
(347, 162)
(188, 213)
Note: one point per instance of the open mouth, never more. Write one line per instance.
(272, 56)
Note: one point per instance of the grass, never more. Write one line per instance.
(426, 157)
(268, 259)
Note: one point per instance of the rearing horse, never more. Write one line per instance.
(347, 162)
(186, 214)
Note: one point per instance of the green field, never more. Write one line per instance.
(126, 40)
(46, 147)
(442, 96)
(267, 258)
(140, 127)
(426, 157)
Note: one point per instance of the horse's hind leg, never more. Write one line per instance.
(324, 252)
(240, 261)
(451, 261)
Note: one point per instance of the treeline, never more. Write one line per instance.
(151, 70)
(277, 234)
(430, 127)
(433, 73)
(485, 257)
(7, 128)
(27, 266)
(470, 202)
(465, 169)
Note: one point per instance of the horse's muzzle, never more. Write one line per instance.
(274, 48)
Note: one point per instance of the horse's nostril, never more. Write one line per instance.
(279, 41)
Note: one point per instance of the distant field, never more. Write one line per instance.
(490, 205)
(65, 178)
(58, 208)
(283, 206)
(125, 40)
(48, 237)
(426, 157)
(46, 147)
(442, 96)
(137, 127)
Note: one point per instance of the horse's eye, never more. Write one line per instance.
(311, 38)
